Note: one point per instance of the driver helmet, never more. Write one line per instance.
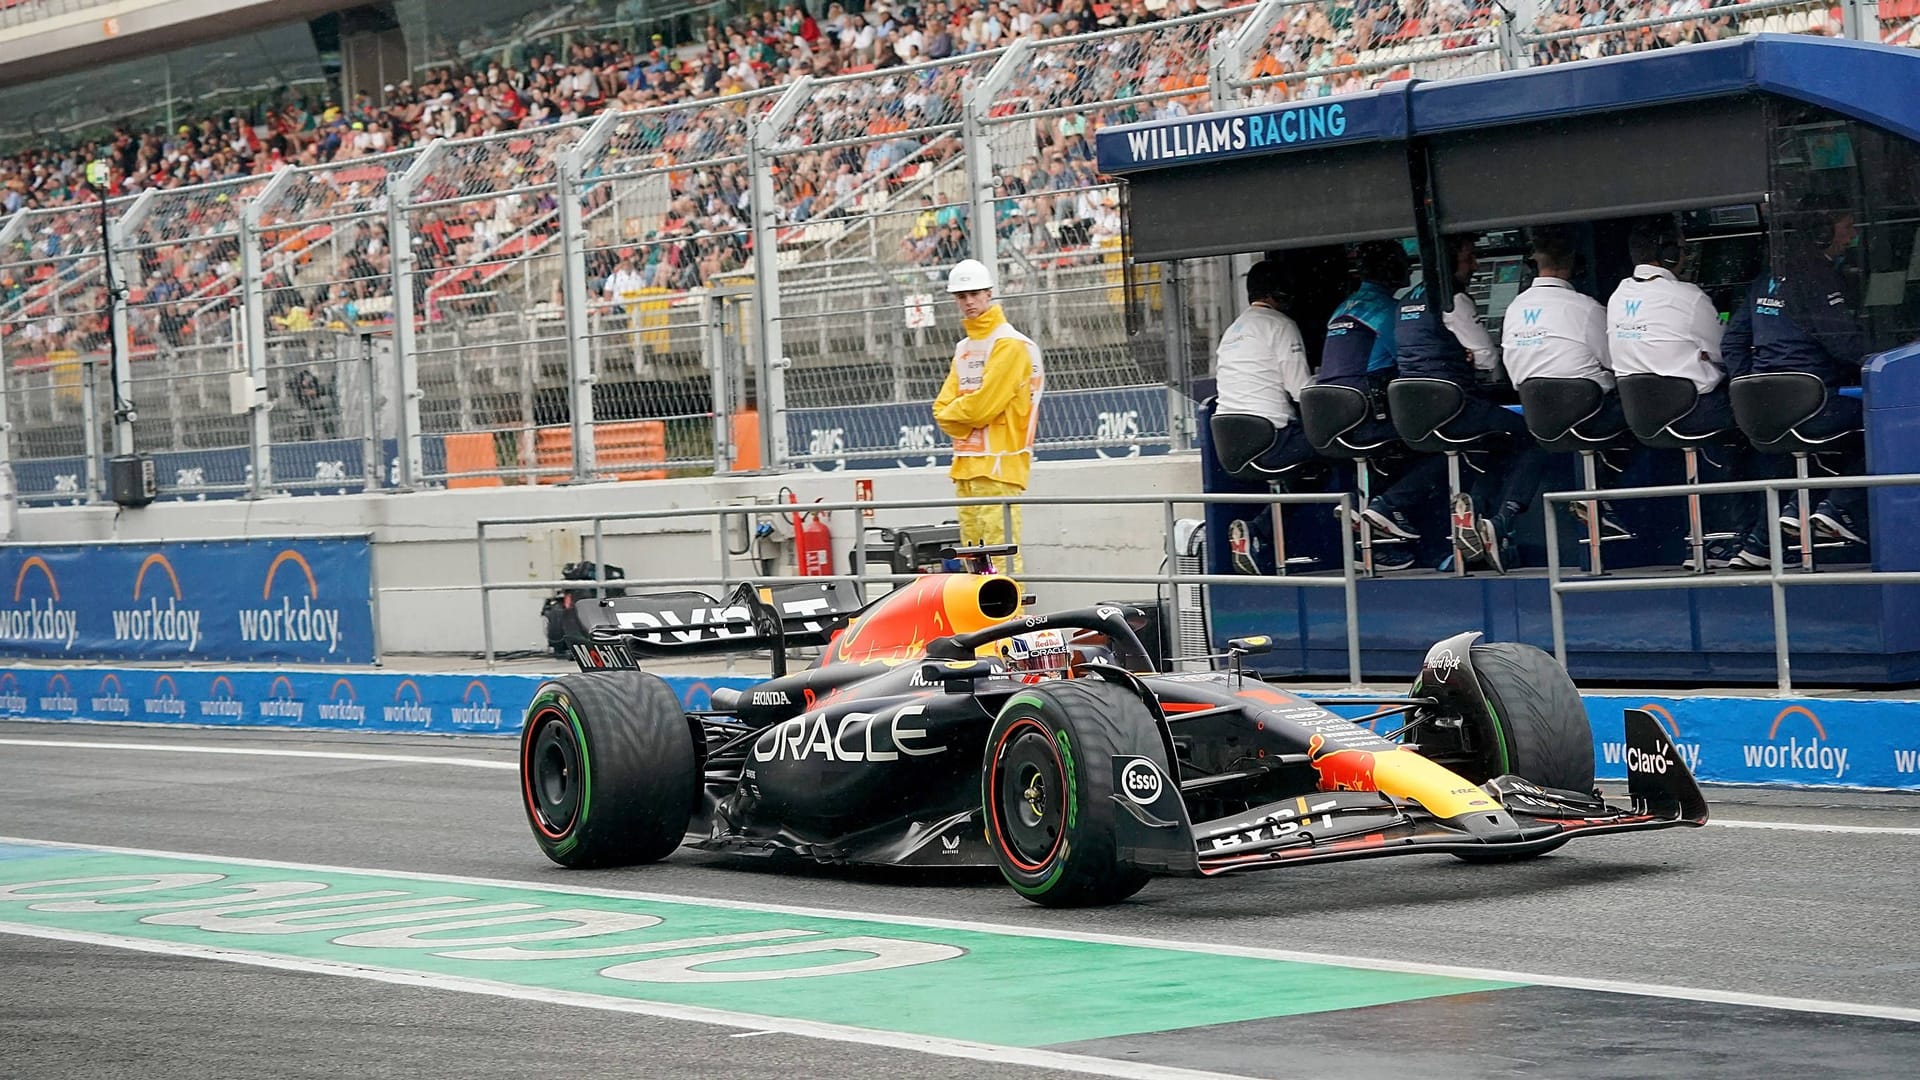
(1038, 651)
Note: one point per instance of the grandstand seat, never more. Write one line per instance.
(626, 450)
(472, 461)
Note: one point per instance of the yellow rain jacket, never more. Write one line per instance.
(990, 403)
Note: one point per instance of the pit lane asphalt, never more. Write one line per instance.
(1814, 915)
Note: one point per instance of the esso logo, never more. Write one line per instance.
(1140, 781)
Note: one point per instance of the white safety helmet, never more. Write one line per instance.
(969, 275)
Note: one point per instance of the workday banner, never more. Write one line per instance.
(304, 600)
(430, 704)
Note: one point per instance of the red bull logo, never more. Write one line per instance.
(170, 624)
(342, 705)
(1341, 770)
(34, 619)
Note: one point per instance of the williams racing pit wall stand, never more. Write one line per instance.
(1738, 143)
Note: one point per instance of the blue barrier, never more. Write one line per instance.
(320, 700)
(1128, 422)
(306, 600)
(1807, 742)
(325, 467)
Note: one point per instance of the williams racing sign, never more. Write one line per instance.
(1189, 140)
(306, 600)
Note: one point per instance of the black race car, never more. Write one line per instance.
(944, 726)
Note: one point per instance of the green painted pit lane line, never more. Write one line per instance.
(1006, 989)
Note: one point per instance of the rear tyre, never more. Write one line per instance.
(1534, 727)
(608, 772)
(1047, 790)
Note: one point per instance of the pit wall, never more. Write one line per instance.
(1809, 742)
(425, 557)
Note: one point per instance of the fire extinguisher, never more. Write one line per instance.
(812, 542)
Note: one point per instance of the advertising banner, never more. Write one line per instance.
(305, 600)
(1122, 423)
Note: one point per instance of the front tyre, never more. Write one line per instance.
(1534, 727)
(608, 772)
(1047, 789)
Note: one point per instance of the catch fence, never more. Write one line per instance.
(748, 281)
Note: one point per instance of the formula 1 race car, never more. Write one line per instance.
(943, 726)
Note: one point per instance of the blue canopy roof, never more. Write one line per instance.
(1876, 84)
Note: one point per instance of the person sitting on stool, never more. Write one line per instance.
(1660, 325)
(1261, 366)
(1802, 320)
(1361, 352)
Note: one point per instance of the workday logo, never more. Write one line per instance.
(407, 712)
(109, 699)
(36, 617)
(12, 701)
(164, 699)
(59, 696)
(171, 624)
(279, 619)
(341, 705)
(1817, 756)
(470, 713)
(220, 703)
(280, 703)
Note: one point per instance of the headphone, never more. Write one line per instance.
(1667, 235)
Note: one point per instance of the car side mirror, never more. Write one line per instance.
(1257, 645)
(957, 676)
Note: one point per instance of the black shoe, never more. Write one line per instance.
(1490, 541)
(1389, 521)
(1720, 554)
(1387, 560)
(1790, 518)
(1610, 527)
(1830, 520)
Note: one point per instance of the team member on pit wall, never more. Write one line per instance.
(1802, 320)
(1261, 367)
(1658, 324)
(990, 406)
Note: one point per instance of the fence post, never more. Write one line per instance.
(9, 234)
(119, 231)
(568, 172)
(90, 419)
(977, 145)
(400, 238)
(253, 301)
(772, 375)
(1513, 51)
(1174, 331)
(713, 323)
(1860, 19)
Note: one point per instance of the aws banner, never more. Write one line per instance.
(305, 600)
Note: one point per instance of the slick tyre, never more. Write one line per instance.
(608, 771)
(1535, 726)
(1047, 790)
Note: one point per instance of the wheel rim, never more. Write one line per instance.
(1031, 797)
(552, 774)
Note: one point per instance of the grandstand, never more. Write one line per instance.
(258, 224)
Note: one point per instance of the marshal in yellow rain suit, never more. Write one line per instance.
(990, 405)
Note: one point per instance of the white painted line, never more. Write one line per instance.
(750, 1034)
(252, 751)
(756, 1025)
(1606, 986)
(1814, 827)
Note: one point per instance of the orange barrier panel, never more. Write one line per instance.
(746, 440)
(629, 450)
(472, 453)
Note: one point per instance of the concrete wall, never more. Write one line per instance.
(426, 559)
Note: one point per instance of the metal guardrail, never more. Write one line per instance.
(1776, 577)
(1346, 581)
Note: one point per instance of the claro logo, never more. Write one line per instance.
(33, 619)
(283, 621)
(472, 713)
(1617, 753)
(171, 624)
(1817, 756)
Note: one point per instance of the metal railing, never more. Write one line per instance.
(1775, 578)
(786, 249)
(1346, 580)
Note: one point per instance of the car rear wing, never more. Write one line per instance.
(693, 623)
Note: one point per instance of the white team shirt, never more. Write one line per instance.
(1261, 366)
(1554, 331)
(1660, 325)
(1464, 323)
